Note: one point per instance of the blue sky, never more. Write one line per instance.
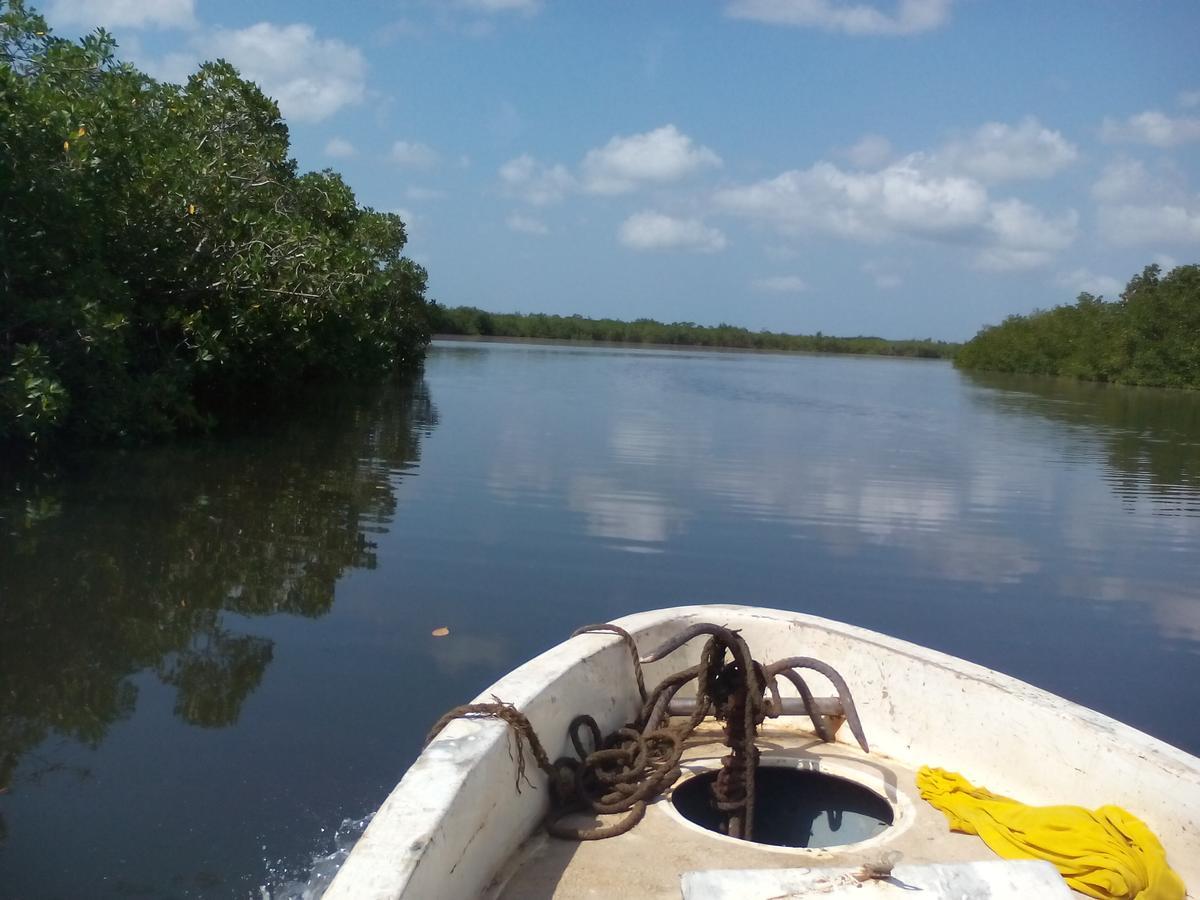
(909, 169)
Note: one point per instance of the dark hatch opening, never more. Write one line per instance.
(795, 808)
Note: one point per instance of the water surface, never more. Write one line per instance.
(213, 654)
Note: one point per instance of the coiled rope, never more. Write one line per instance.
(621, 772)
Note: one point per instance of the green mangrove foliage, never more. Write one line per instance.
(162, 257)
(1150, 335)
(467, 320)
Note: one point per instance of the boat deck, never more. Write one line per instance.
(649, 860)
(458, 825)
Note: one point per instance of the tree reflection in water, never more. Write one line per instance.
(1151, 435)
(131, 562)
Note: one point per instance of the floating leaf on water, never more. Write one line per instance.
(441, 632)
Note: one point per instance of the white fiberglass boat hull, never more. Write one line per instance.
(453, 826)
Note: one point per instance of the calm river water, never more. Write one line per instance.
(214, 654)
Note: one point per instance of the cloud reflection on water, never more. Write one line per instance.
(637, 519)
(907, 469)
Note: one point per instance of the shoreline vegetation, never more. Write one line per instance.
(163, 260)
(470, 321)
(1149, 336)
(165, 265)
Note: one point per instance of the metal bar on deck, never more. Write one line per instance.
(792, 706)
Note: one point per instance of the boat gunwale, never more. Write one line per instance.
(412, 843)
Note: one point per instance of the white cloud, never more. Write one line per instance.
(310, 78)
(871, 152)
(1000, 152)
(536, 183)
(650, 230)
(780, 284)
(1127, 178)
(1165, 262)
(526, 224)
(624, 163)
(1189, 99)
(664, 154)
(414, 224)
(863, 205)
(1138, 206)
(115, 13)
(339, 148)
(1015, 225)
(1160, 223)
(174, 67)
(1152, 127)
(1086, 280)
(413, 154)
(905, 199)
(909, 17)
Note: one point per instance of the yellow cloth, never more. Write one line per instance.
(1106, 853)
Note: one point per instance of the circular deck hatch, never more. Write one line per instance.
(795, 808)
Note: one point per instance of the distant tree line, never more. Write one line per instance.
(1150, 335)
(468, 320)
(160, 255)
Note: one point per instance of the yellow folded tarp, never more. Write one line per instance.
(1106, 853)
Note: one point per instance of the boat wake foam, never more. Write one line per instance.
(310, 882)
